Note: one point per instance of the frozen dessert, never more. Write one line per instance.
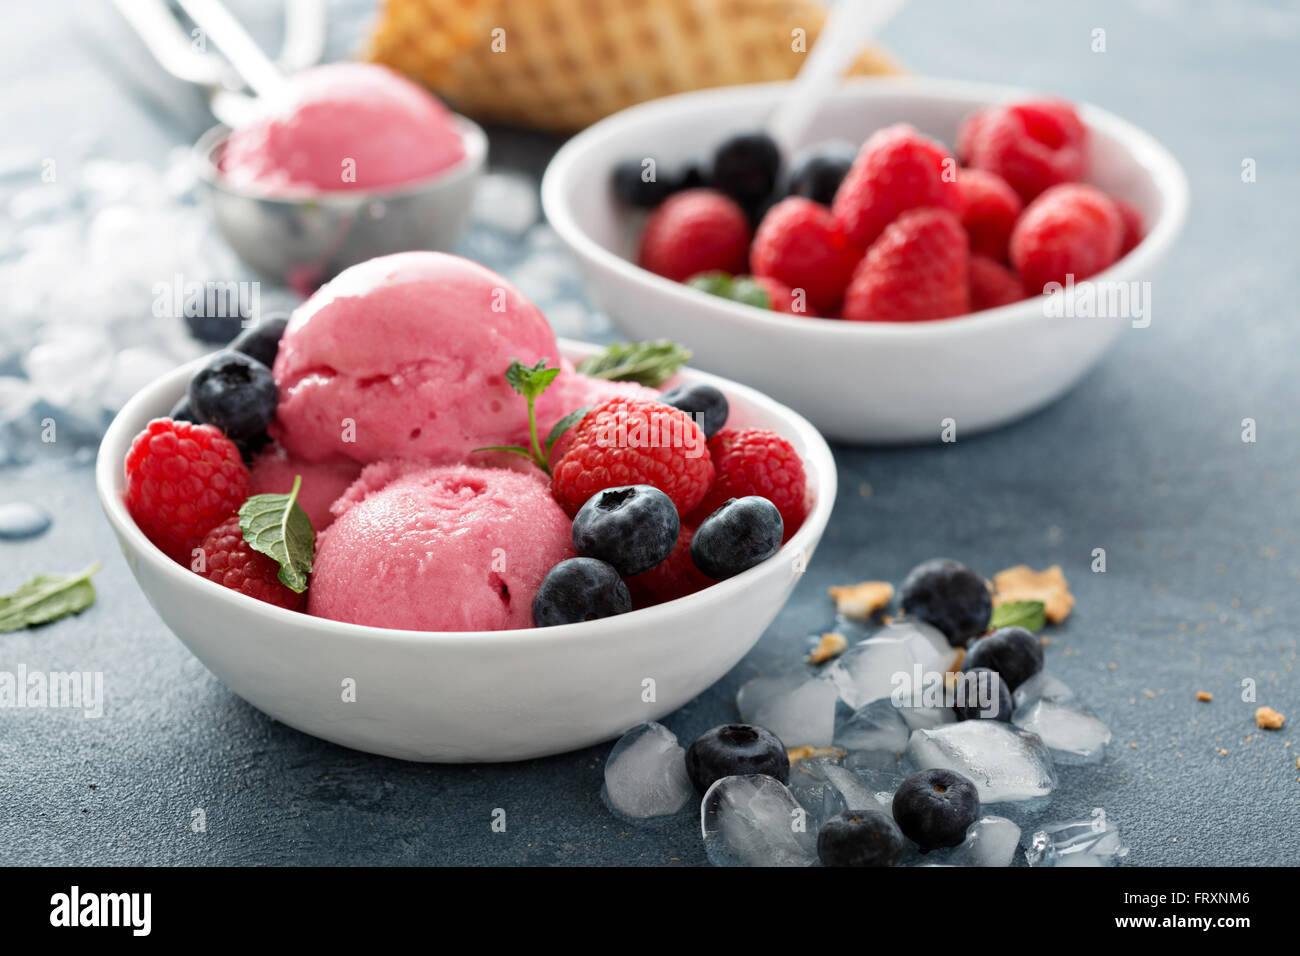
(450, 548)
(403, 357)
(422, 458)
(339, 127)
(274, 470)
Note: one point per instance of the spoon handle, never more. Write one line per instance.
(245, 56)
(849, 27)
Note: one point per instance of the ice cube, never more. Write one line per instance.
(1089, 841)
(1041, 685)
(1005, 764)
(799, 709)
(133, 368)
(1072, 732)
(754, 820)
(858, 794)
(896, 656)
(69, 365)
(17, 396)
(645, 774)
(877, 726)
(990, 841)
(505, 202)
(821, 800)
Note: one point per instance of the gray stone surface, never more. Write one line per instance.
(1145, 459)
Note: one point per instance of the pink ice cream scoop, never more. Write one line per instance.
(404, 356)
(451, 548)
(274, 470)
(339, 127)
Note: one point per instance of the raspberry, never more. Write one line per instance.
(1072, 229)
(915, 271)
(989, 211)
(676, 576)
(1134, 228)
(626, 441)
(1032, 145)
(230, 562)
(898, 169)
(699, 230)
(781, 297)
(800, 244)
(752, 461)
(991, 284)
(181, 481)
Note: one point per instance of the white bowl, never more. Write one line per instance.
(468, 696)
(857, 381)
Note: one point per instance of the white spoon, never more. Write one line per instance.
(851, 25)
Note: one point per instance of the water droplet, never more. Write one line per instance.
(19, 520)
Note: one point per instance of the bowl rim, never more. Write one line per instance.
(117, 440)
(203, 159)
(1165, 172)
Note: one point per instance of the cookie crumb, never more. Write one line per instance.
(1267, 718)
(1223, 752)
(1204, 695)
(1023, 583)
(807, 751)
(860, 601)
(830, 645)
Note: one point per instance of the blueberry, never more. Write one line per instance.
(580, 589)
(950, 596)
(691, 177)
(633, 528)
(236, 393)
(214, 329)
(704, 402)
(631, 186)
(860, 838)
(261, 341)
(816, 173)
(934, 808)
(983, 684)
(745, 167)
(181, 411)
(740, 534)
(735, 750)
(1011, 651)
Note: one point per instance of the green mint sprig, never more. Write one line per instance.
(278, 527)
(1031, 615)
(530, 382)
(647, 363)
(47, 597)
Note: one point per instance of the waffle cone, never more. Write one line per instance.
(563, 64)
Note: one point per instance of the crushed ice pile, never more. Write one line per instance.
(866, 746)
(99, 260)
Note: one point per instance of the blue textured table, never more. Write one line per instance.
(1145, 459)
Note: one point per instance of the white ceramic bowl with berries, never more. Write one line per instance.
(858, 381)
(469, 696)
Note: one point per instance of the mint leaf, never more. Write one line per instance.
(530, 382)
(714, 283)
(649, 363)
(563, 425)
(1027, 614)
(276, 526)
(746, 290)
(47, 597)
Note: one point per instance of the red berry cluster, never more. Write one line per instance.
(914, 232)
(635, 441)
